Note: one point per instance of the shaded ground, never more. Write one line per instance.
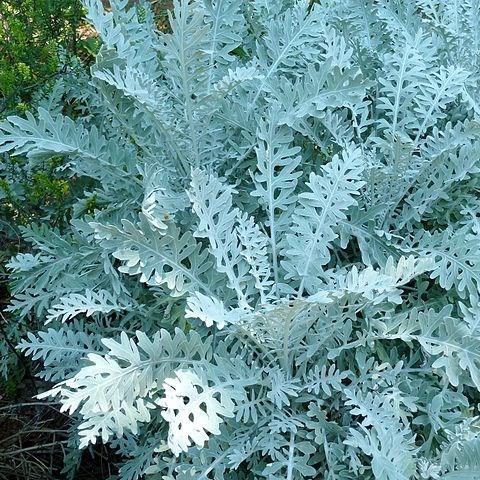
(34, 442)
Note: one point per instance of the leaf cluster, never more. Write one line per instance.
(272, 270)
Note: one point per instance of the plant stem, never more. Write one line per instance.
(291, 450)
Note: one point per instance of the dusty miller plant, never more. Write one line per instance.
(276, 274)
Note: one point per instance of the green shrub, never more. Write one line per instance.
(272, 270)
(32, 32)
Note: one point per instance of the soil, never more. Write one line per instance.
(34, 441)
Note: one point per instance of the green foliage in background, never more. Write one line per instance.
(38, 43)
(30, 35)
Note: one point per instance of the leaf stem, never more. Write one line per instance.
(291, 450)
